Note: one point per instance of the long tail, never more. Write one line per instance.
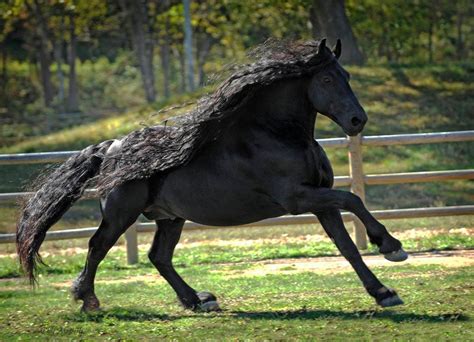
(54, 196)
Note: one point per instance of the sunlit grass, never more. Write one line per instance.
(138, 304)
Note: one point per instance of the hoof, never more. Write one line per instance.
(390, 301)
(396, 256)
(91, 304)
(209, 306)
(387, 297)
(208, 302)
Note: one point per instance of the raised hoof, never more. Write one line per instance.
(391, 301)
(396, 256)
(208, 302)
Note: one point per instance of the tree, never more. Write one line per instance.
(329, 20)
(43, 50)
(136, 17)
(188, 44)
(72, 99)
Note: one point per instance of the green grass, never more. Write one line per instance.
(210, 252)
(138, 304)
(303, 306)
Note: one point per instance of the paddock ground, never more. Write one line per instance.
(271, 284)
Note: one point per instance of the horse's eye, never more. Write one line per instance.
(326, 79)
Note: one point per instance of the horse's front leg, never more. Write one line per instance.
(311, 199)
(332, 223)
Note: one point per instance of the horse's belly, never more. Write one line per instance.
(213, 199)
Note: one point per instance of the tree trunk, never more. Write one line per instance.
(4, 76)
(188, 44)
(459, 38)
(43, 51)
(136, 15)
(165, 59)
(59, 65)
(72, 99)
(182, 69)
(59, 71)
(45, 73)
(165, 65)
(430, 41)
(204, 47)
(329, 20)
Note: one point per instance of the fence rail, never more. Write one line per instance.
(356, 180)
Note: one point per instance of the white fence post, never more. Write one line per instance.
(132, 244)
(357, 186)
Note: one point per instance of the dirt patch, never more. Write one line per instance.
(321, 265)
(283, 239)
(147, 278)
(332, 265)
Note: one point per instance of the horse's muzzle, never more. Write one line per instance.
(355, 124)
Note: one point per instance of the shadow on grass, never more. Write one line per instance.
(354, 315)
(139, 315)
(131, 315)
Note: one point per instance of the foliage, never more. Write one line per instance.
(394, 31)
(413, 31)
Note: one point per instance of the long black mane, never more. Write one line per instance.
(158, 148)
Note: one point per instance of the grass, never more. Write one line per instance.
(237, 249)
(312, 307)
(282, 305)
(299, 305)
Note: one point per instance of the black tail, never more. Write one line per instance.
(55, 195)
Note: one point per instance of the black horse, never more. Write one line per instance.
(246, 153)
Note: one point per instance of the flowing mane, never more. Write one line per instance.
(153, 149)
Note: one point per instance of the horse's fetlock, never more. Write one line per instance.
(390, 244)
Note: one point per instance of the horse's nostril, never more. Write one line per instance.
(356, 121)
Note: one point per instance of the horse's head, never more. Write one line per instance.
(331, 95)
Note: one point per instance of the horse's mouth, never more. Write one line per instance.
(350, 131)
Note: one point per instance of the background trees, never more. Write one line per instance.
(329, 19)
(102, 56)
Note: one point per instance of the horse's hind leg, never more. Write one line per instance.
(120, 210)
(161, 254)
(332, 223)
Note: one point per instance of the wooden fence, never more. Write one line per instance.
(357, 180)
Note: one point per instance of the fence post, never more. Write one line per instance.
(132, 245)
(357, 186)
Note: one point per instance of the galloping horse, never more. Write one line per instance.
(246, 152)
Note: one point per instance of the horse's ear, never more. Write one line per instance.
(337, 49)
(322, 46)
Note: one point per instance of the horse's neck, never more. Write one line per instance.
(285, 105)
